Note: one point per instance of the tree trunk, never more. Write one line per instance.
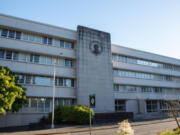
(174, 115)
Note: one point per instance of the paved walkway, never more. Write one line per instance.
(80, 129)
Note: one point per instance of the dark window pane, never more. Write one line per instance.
(61, 43)
(72, 83)
(4, 32)
(28, 79)
(8, 54)
(1, 53)
(31, 58)
(68, 63)
(56, 82)
(18, 35)
(11, 34)
(68, 45)
(61, 82)
(15, 56)
(49, 41)
(36, 58)
(44, 40)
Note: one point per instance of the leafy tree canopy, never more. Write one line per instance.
(12, 95)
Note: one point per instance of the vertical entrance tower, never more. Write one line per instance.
(94, 69)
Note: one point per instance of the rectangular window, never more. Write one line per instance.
(59, 62)
(31, 38)
(2, 52)
(21, 78)
(56, 42)
(47, 105)
(9, 55)
(40, 104)
(48, 61)
(28, 79)
(68, 83)
(49, 41)
(38, 39)
(120, 105)
(61, 43)
(15, 56)
(25, 37)
(116, 87)
(36, 58)
(11, 34)
(151, 105)
(114, 57)
(34, 104)
(68, 45)
(32, 58)
(18, 35)
(42, 60)
(4, 32)
(61, 82)
(42, 81)
(68, 63)
(44, 40)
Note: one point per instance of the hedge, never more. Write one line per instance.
(75, 114)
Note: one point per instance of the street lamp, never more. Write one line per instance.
(54, 78)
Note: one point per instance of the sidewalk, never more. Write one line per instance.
(73, 129)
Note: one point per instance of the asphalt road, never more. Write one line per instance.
(151, 129)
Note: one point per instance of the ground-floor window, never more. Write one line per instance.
(164, 105)
(43, 105)
(151, 106)
(120, 105)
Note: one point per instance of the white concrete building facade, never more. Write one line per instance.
(122, 79)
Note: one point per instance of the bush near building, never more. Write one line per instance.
(75, 114)
(175, 132)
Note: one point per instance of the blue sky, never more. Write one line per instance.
(149, 25)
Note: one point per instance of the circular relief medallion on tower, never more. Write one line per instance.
(96, 47)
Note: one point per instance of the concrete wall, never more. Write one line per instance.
(132, 106)
(142, 54)
(145, 82)
(38, 69)
(46, 91)
(146, 69)
(20, 119)
(25, 46)
(27, 25)
(94, 71)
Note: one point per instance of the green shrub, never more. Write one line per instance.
(176, 132)
(75, 114)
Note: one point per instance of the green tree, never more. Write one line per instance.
(12, 95)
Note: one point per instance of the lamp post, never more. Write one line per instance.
(54, 77)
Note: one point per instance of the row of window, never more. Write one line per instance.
(128, 88)
(144, 62)
(151, 105)
(43, 105)
(169, 105)
(46, 81)
(35, 38)
(140, 75)
(13, 55)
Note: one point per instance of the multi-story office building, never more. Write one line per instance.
(122, 79)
